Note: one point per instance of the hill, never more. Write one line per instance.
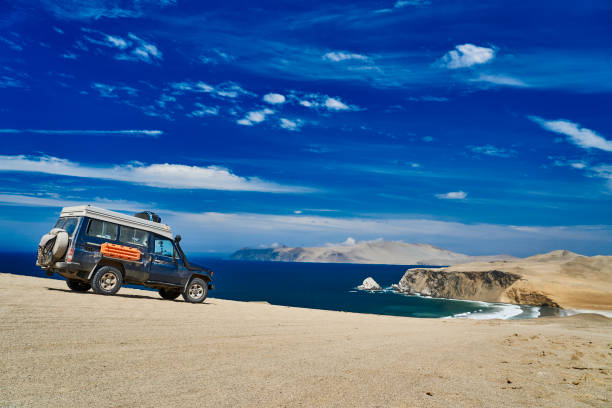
(364, 252)
(558, 279)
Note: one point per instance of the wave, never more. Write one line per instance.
(501, 311)
(572, 312)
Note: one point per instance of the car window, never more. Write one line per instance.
(70, 225)
(102, 229)
(60, 223)
(67, 223)
(163, 247)
(133, 236)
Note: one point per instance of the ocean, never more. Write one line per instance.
(320, 286)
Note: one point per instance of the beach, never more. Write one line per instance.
(62, 349)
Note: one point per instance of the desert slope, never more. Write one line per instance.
(66, 349)
(365, 252)
(558, 279)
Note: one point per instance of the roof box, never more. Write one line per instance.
(148, 215)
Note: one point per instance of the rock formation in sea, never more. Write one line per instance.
(557, 279)
(369, 284)
(366, 252)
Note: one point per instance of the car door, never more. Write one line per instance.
(163, 266)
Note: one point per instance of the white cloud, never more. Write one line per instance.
(51, 201)
(95, 132)
(244, 122)
(95, 9)
(255, 117)
(203, 110)
(500, 80)
(9, 82)
(216, 57)
(12, 44)
(113, 91)
(405, 3)
(427, 139)
(585, 138)
(274, 98)
(349, 241)
(576, 164)
(307, 104)
(337, 56)
(230, 90)
(163, 175)
(467, 55)
(117, 42)
(453, 195)
(490, 150)
(288, 124)
(223, 90)
(143, 51)
(69, 55)
(335, 104)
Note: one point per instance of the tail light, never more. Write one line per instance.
(70, 254)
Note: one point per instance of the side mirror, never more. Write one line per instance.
(177, 238)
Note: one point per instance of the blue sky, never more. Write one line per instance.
(481, 128)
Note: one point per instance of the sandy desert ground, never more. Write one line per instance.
(66, 349)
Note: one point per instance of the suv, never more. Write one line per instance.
(97, 249)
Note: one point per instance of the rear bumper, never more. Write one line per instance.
(67, 266)
(63, 268)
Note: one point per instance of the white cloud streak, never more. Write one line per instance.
(500, 80)
(163, 175)
(490, 150)
(338, 56)
(453, 195)
(582, 137)
(466, 55)
(123, 132)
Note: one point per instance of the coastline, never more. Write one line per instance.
(62, 348)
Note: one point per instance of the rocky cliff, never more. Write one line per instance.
(557, 279)
(366, 252)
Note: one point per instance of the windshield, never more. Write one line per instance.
(67, 223)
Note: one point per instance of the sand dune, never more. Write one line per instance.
(65, 349)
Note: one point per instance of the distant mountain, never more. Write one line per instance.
(365, 252)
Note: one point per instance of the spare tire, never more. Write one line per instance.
(61, 245)
(45, 250)
(52, 246)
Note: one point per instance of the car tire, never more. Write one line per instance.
(195, 291)
(78, 286)
(107, 280)
(169, 294)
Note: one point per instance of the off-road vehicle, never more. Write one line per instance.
(98, 249)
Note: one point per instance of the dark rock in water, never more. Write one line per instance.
(486, 286)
